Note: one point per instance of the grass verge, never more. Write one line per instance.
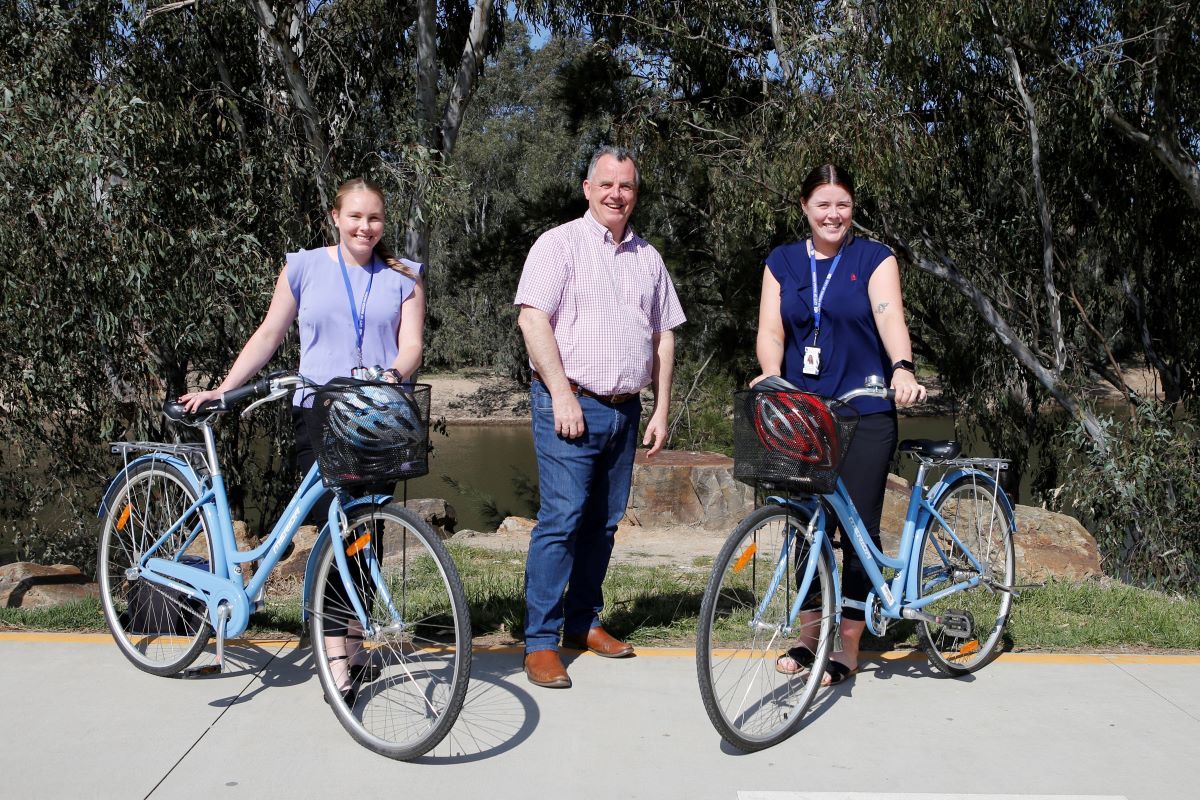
(658, 606)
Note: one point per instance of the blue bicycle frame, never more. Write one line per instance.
(223, 587)
(903, 593)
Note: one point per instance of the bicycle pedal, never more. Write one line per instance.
(957, 624)
(198, 672)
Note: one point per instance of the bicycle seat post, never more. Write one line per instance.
(210, 448)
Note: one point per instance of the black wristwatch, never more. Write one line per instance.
(902, 364)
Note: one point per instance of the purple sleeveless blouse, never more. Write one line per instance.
(328, 339)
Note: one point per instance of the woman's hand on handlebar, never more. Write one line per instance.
(193, 400)
(908, 391)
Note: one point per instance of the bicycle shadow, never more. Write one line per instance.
(496, 716)
(287, 664)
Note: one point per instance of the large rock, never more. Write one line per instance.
(1051, 545)
(677, 487)
(437, 512)
(1047, 544)
(26, 585)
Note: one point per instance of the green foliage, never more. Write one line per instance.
(1139, 499)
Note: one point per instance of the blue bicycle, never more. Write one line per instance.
(776, 578)
(172, 577)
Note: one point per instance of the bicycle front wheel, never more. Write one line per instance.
(745, 627)
(418, 648)
(973, 620)
(157, 629)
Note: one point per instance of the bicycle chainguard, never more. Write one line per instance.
(956, 623)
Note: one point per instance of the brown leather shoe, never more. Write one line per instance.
(599, 642)
(545, 668)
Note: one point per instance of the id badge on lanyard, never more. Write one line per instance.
(359, 317)
(812, 353)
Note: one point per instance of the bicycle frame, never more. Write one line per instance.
(902, 594)
(224, 585)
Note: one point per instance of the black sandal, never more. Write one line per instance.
(801, 656)
(348, 694)
(366, 671)
(838, 672)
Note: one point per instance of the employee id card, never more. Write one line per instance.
(812, 360)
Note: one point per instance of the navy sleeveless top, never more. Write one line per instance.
(851, 348)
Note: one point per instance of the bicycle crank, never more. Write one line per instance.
(955, 623)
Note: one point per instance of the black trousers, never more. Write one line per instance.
(338, 610)
(864, 473)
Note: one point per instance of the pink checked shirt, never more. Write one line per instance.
(604, 299)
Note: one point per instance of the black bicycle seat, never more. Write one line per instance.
(945, 448)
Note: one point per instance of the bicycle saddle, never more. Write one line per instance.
(947, 448)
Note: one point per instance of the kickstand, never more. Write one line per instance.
(218, 665)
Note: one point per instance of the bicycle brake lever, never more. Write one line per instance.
(279, 393)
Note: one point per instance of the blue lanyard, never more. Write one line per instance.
(359, 317)
(817, 298)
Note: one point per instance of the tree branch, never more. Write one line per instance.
(1052, 296)
(297, 85)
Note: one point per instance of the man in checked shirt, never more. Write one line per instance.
(597, 309)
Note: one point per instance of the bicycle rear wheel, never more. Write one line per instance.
(971, 636)
(743, 630)
(158, 630)
(420, 647)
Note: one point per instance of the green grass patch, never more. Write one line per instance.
(659, 606)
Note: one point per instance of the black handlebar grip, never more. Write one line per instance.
(259, 388)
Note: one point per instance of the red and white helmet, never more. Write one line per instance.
(797, 425)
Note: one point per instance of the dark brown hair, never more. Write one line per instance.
(381, 249)
(827, 174)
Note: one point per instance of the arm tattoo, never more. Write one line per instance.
(879, 309)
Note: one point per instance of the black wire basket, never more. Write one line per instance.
(794, 441)
(366, 432)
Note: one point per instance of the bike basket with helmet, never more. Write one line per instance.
(791, 439)
(368, 432)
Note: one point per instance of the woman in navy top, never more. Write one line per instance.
(830, 315)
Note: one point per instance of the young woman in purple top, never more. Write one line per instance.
(358, 305)
(831, 314)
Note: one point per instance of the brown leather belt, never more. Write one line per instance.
(611, 399)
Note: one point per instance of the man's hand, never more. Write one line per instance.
(568, 416)
(656, 434)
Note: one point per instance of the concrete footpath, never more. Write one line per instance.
(79, 720)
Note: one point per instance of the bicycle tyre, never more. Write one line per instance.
(149, 499)
(752, 705)
(985, 525)
(422, 662)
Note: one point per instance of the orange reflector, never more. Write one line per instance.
(359, 544)
(745, 557)
(124, 518)
(969, 647)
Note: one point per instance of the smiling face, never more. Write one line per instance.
(829, 209)
(611, 192)
(359, 220)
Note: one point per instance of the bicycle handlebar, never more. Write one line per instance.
(874, 388)
(272, 387)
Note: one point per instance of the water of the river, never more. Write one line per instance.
(489, 461)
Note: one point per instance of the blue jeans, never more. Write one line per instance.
(584, 486)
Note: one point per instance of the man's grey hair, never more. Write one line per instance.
(620, 154)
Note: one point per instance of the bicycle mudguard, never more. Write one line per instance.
(952, 477)
(311, 567)
(182, 465)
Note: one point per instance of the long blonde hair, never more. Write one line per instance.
(381, 249)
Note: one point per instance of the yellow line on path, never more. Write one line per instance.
(672, 652)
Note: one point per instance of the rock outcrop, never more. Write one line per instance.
(676, 487)
(26, 585)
